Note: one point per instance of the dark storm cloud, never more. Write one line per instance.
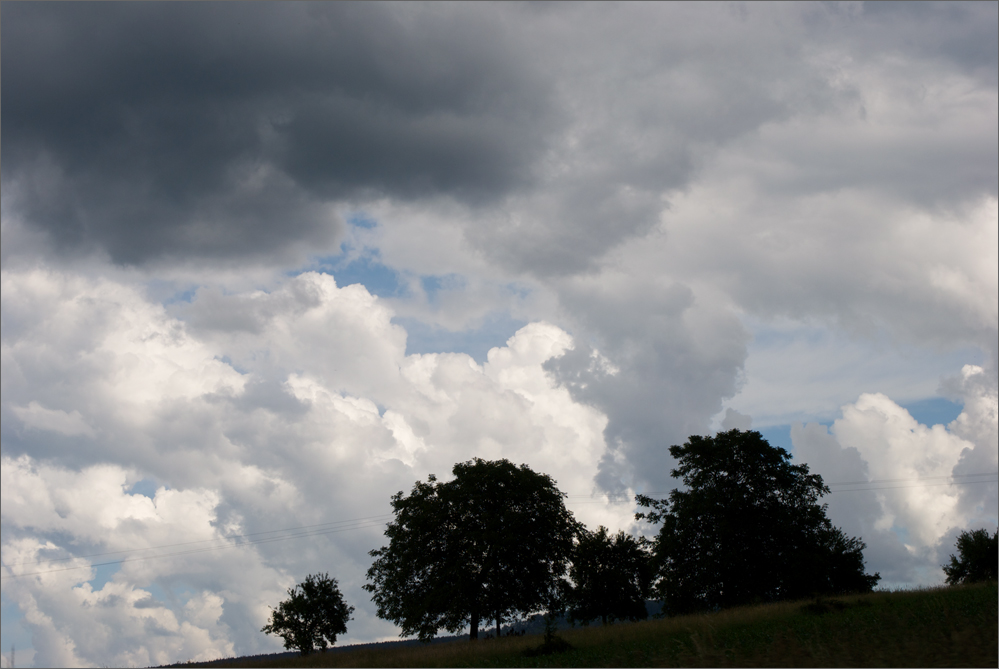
(962, 32)
(227, 130)
(220, 129)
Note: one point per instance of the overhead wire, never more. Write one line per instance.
(202, 541)
(919, 478)
(909, 480)
(334, 527)
(363, 523)
(918, 485)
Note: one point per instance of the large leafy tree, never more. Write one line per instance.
(747, 528)
(492, 543)
(611, 578)
(978, 557)
(313, 615)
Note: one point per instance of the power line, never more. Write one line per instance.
(202, 541)
(195, 550)
(918, 485)
(360, 524)
(908, 480)
(920, 478)
(334, 527)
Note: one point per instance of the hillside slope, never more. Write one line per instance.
(954, 626)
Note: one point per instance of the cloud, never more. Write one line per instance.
(74, 623)
(230, 145)
(109, 356)
(977, 424)
(660, 363)
(734, 420)
(895, 446)
(325, 419)
(38, 417)
(229, 132)
(960, 34)
(830, 201)
(662, 217)
(806, 371)
(914, 509)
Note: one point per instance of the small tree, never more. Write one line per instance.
(611, 577)
(979, 555)
(313, 615)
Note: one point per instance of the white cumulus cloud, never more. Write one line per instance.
(926, 482)
(292, 407)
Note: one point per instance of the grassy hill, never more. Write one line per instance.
(949, 626)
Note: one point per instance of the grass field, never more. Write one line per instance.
(950, 626)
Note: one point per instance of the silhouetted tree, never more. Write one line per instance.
(747, 529)
(493, 542)
(313, 615)
(611, 578)
(979, 556)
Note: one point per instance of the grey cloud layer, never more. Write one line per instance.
(222, 130)
(662, 364)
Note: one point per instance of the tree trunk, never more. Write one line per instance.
(473, 633)
(498, 625)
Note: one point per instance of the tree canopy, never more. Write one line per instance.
(978, 558)
(493, 542)
(313, 615)
(611, 578)
(747, 529)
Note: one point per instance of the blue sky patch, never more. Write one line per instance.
(424, 338)
(934, 410)
(14, 634)
(777, 435)
(167, 292)
(104, 572)
(367, 270)
(930, 411)
(362, 220)
(227, 360)
(145, 487)
(434, 283)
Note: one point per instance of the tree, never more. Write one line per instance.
(313, 615)
(493, 542)
(611, 578)
(747, 529)
(979, 557)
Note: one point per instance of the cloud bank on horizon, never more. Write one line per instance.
(264, 265)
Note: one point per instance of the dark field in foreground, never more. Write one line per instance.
(953, 626)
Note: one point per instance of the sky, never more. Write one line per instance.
(265, 265)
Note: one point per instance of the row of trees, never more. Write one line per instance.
(496, 543)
